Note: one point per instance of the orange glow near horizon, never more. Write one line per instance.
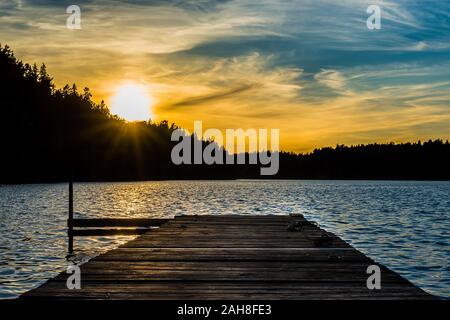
(265, 66)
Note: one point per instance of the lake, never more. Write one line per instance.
(403, 225)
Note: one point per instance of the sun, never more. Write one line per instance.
(132, 102)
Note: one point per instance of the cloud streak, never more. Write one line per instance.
(308, 67)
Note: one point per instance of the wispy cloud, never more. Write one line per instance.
(308, 67)
(331, 78)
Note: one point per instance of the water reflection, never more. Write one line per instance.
(404, 225)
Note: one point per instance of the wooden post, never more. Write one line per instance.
(70, 220)
(68, 150)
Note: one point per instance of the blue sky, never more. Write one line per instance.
(309, 67)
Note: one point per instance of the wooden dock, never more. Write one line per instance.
(231, 257)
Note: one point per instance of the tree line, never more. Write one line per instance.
(47, 133)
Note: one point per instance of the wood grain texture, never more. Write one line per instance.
(231, 257)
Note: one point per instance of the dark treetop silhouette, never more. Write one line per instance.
(45, 131)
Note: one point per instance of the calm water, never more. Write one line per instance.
(404, 225)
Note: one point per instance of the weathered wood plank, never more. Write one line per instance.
(229, 257)
(358, 276)
(224, 290)
(230, 254)
(204, 243)
(109, 232)
(121, 222)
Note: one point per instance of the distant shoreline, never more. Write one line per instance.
(237, 179)
(52, 132)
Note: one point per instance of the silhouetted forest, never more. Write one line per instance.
(47, 131)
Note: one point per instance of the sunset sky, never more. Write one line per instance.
(311, 68)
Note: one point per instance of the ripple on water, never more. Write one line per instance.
(404, 225)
